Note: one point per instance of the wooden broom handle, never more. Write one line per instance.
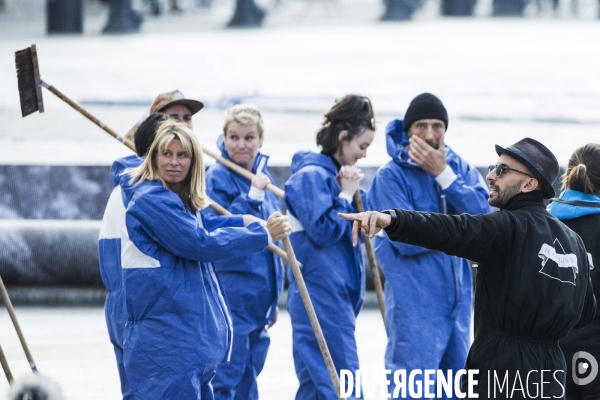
(312, 316)
(88, 115)
(372, 262)
(240, 170)
(13, 317)
(273, 248)
(6, 368)
(231, 165)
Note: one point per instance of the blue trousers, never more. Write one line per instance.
(115, 328)
(236, 379)
(337, 317)
(421, 341)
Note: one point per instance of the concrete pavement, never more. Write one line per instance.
(71, 346)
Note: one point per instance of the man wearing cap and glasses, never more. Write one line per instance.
(533, 281)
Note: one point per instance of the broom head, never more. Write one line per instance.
(28, 77)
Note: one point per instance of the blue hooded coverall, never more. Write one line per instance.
(109, 252)
(178, 326)
(427, 293)
(252, 284)
(332, 269)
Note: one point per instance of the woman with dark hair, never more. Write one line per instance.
(178, 326)
(578, 207)
(323, 184)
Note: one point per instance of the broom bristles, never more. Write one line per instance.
(28, 79)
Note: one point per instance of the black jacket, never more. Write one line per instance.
(588, 339)
(587, 227)
(533, 284)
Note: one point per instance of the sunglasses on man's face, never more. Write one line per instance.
(500, 169)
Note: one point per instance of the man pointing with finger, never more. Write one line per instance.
(428, 301)
(533, 281)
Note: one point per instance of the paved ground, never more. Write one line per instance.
(71, 346)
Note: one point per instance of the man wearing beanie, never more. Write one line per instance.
(428, 300)
(533, 280)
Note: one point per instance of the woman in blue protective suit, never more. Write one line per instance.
(251, 283)
(323, 184)
(579, 208)
(178, 326)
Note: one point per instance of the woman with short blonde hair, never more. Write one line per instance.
(254, 283)
(244, 114)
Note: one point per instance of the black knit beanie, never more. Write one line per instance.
(425, 106)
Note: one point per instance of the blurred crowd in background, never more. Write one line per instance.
(127, 16)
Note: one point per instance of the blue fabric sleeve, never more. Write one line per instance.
(313, 198)
(468, 193)
(381, 197)
(222, 188)
(212, 222)
(159, 213)
(245, 205)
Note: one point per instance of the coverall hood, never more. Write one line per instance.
(564, 211)
(306, 157)
(121, 165)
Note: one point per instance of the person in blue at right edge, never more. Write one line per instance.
(252, 283)
(321, 185)
(579, 208)
(428, 301)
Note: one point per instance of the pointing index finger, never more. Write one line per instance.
(349, 216)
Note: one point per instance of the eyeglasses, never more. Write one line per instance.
(500, 169)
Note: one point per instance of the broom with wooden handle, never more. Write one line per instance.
(30, 84)
(30, 95)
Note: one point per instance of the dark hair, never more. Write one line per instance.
(144, 136)
(583, 171)
(352, 113)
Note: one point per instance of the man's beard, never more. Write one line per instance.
(504, 195)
